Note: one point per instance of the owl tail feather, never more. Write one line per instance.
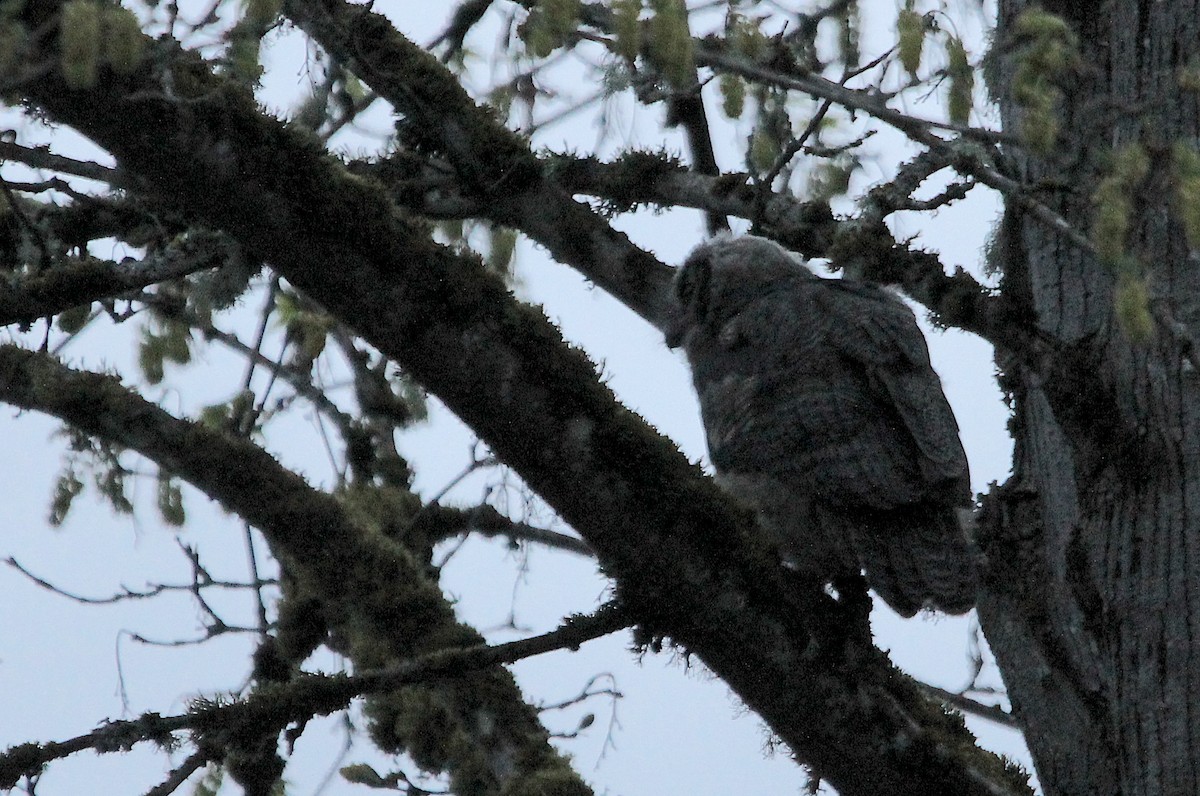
(918, 557)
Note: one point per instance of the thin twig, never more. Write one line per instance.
(967, 705)
(252, 560)
(127, 593)
(179, 775)
(42, 158)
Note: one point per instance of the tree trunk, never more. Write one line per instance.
(1092, 593)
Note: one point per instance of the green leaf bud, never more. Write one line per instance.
(123, 42)
(79, 43)
(627, 31)
(910, 29)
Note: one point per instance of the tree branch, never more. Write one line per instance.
(42, 158)
(179, 775)
(465, 17)
(61, 287)
(129, 594)
(967, 705)
(442, 522)
(964, 156)
(863, 245)
(711, 52)
(272, 708)
(493, 164)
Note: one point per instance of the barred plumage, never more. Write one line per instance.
(823, 412)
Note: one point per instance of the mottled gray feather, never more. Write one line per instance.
(822, 411)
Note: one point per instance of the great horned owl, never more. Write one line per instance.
(823, 413)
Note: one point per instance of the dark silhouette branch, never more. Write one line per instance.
(442, 522)
(967, 705)
(179, 775)
(493, 164)
(41, 157)
(712, 52)
(63, 286)
(272, 708)
(465, 18)
(863, 245)
(967, 159)
(126, 594)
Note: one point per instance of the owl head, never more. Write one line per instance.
(723, 274)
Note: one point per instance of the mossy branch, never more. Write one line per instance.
(214, 722)
(494, 165)
(443, 522)
(25, 299)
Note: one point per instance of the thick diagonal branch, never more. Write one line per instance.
(491, 162)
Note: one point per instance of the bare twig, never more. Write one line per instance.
(967, 160)
(126, 593)
(967, 705)
(710, 52)
(586, 693)
(444, 523)
(260, 605)
(179, 775)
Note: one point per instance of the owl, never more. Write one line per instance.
(823, 413)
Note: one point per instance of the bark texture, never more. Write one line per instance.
(1093, 547)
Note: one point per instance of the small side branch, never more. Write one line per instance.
(42, 158)
(179, 775)
(441, 522)
(61, 288)
(126, 593)
(273, 708)
(967, 705)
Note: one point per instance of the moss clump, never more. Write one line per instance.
(1113, 203)
(962, 82)
(1049, 53)
(123, 44)
(733, 95)
(549, 26)
(627, 30)
(79, 43)
(1187, 191)
(671, 42)
(1132, 305)
(13, 41)
(910, 33)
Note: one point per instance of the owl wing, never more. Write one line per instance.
(802, 385)
(779, 399)
(876, 329)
